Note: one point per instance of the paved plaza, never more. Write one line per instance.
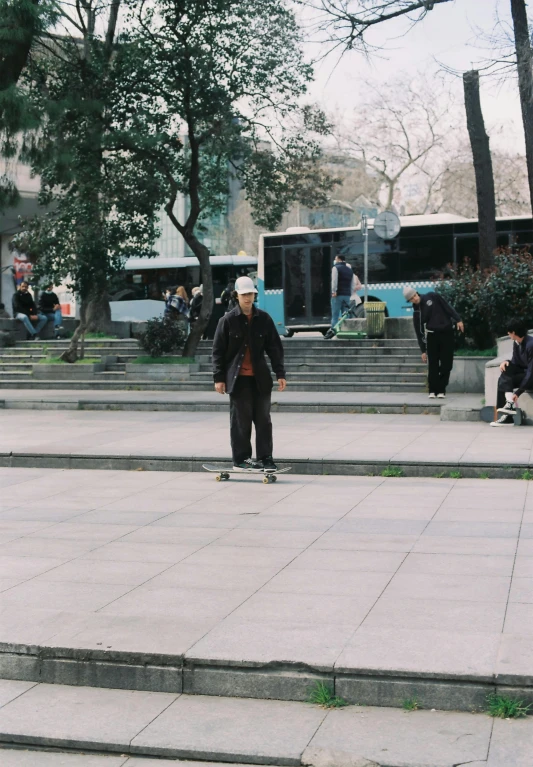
(303, 436)
(395, 575)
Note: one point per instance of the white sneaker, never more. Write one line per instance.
(431, 395)
(503, 420)
(509, 408)
(441, 396)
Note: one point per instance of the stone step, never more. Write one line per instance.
(347, 367)
(334, 375)
(120, 723)
(26, 381)
(15, 367)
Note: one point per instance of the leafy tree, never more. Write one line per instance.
(487, 298)
(101, 205)
(216, 90)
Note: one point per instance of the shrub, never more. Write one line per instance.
(486, 299)
(163, 335)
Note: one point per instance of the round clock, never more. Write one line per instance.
(387, 225)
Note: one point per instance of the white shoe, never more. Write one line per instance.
(441, 396)
(431, 395)
(509, 408)
(503, 420)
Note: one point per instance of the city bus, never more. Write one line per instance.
(139, 291)
(294, 267)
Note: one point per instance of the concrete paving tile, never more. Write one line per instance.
(243, 556)
(523, 567)
(310, 609)
(193, 604)
(83, 532)
(82, 715)
(121, 551)
(389, 527)
(526, 531)
(437, 544)
(62, 596)
(264, 521)
(203, 727)
(457, 564)
(522, 590)
(486, 514)
(358, 561)
(390, 510)
(11, 689)
(211, 577)
(519, 619)
(365, 542)
(134, 518)
(336, 582)
(441, 653)
(23, 758)
(172, 535)
(476, 529)
(104, 571)
(472, 588)
(437, 614)
(199, 519)
(511, 743)
(290, 539)
(389, 736)
(515, 658)
(259, 642)
(525, 547)
(47, 548)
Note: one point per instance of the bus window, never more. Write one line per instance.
(273, 269)
(294, 293)
(320, 276)
(424, 258)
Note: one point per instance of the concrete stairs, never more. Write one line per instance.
(313, 365)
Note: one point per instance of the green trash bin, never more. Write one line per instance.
(375, 318)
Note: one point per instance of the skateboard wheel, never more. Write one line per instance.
(218, 477)
(273, 479)
(226, 476)
(265, 480)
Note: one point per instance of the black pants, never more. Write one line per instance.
(440, 345)
(508, 381)
(247, 406)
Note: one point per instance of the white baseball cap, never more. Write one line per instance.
(245, 285)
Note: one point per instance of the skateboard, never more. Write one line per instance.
(223, 472)
(519, 417)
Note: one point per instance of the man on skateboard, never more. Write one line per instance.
(516, 373)
(240, 369)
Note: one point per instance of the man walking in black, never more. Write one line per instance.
(240, 369)
(434, 318)
(516, 373)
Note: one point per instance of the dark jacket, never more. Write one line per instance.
(433, 313)
(232, 335)
(47, 301)
(344, 280)
(195, 306)
(23, 303)
(523, 357)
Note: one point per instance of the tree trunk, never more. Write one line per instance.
(479, 141)
(524, 62)
(198, 328)
(95, 317)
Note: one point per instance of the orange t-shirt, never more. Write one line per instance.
(247, 368)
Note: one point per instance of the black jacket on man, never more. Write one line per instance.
(232, 335)
(23, 303)
(435, 314)
(523, 358)
(47, 301)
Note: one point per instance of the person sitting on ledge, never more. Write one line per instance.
(516, 374)
(51, 308)
(25, 311)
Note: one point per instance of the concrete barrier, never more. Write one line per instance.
(177, 372)
(467, 375)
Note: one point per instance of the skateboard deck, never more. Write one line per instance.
(519, 417)
(223, 472)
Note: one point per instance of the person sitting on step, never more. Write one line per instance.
(25, 311)
(516, 374)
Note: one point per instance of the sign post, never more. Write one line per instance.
(364, 232)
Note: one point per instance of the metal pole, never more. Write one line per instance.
(364, 232)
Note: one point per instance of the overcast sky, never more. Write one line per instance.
(449, 34)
